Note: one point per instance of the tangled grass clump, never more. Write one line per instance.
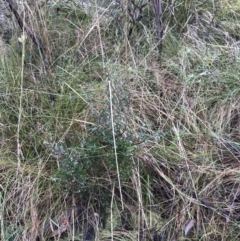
(106, 130)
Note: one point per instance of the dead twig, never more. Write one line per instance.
(160, 25)
(23, 25)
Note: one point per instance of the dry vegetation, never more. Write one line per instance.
(100, 128)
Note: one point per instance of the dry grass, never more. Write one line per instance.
(104, 129)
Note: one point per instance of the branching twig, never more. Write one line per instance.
(135, 13)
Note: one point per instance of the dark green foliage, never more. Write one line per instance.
(94, 157)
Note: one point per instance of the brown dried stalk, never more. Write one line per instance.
(157, 8)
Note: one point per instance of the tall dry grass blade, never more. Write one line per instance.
(115, 145)
(157, 7)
